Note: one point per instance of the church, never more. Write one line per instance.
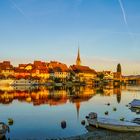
(83, 74)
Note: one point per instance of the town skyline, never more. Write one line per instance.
(83, 63)
(107, 31)
(93, 65)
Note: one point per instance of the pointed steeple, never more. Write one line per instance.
(78, 60)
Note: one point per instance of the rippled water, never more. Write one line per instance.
(38, 112)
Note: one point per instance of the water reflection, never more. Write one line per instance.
(42, 109)
(118, 91)
(55, 96)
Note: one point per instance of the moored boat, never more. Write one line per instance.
(135, 110)
(113, 124)
(3, 129)
(135, 103)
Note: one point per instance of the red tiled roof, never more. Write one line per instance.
(58, 67)
(5, 65)
(22, 65)
(18, 70)
(84, 69)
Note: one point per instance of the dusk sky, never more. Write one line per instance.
(108, 32)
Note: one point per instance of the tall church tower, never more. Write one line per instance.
(78, 60)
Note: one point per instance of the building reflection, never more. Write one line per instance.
(118, 91)
(55, 96)
(80, 94)
(106, 91)
(43, 95)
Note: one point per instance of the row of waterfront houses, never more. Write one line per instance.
(54, 70)
(45, 70)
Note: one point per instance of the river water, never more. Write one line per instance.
(38, 111)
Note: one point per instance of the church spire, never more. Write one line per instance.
(78, 61)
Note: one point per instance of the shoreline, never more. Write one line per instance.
(103, 134)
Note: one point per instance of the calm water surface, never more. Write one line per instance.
(38, 112)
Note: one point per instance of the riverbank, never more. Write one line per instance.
(101, 134)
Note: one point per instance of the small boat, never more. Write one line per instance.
(3, 129)
(114, 124)
(135, 110)
(135, 103)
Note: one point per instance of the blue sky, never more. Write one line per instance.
(108, 32)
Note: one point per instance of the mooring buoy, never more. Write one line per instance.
(63, 124)
(106, 113)
(83, 122)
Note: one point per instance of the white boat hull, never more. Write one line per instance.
(3, 129)
(135, 103)
(115, 125)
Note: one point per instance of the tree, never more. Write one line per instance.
(71, 76)
(57, 80)
(119, 68)
(100, 76)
